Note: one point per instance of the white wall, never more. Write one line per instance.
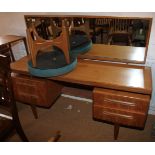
(13, 23)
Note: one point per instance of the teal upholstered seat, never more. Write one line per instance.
(53, 63)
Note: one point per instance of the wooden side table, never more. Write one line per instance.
(9, 39)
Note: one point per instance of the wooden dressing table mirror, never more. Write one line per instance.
(116, 39)
(121, 91)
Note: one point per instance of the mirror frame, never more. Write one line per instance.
(91, 16)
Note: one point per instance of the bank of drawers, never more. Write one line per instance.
(120, 107)
(41, 92)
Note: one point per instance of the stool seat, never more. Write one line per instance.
(53, 63)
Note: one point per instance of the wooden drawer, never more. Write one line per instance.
(120, 107)
(41, 92)
(120, 117)
(121, 100)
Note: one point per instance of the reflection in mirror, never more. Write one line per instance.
(102, 30)
(131, 32)
(120, 31)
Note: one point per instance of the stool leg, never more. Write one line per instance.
(116, 131)
(34, 110)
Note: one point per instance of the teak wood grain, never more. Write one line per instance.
(84, 16)
(119, 107)
(118, 116)
(104, 75)
(35, 91)
(121, 100)
(127, 54)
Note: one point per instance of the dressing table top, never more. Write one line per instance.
(100, 74)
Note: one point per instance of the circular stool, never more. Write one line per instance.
(53, 63)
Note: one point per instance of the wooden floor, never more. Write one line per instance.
(74, 119)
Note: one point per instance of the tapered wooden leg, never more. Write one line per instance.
(20, 131)
(34, 110)
(17, 124)
(116, 131)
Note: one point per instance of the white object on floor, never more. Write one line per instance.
(70, 107)
(78, 110)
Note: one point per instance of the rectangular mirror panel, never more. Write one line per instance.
(118, 39)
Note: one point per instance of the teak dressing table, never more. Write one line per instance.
(121, 91)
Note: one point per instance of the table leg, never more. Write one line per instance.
(34, 110)
(116, 131)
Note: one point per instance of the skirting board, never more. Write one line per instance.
(77, 98)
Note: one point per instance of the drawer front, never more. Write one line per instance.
(30, 91)
(118, 116)
(121, 100)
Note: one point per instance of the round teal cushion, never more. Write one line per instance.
(51, 72)
(51, 64)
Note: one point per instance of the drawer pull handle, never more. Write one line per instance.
(121, 102)
(116, 114)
